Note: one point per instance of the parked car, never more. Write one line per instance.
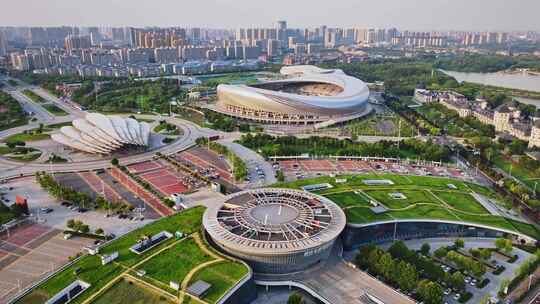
(46, 210)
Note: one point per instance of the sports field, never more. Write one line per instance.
(413, 197)
(180, 260)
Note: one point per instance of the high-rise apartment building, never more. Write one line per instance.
(73, 42)
(3, 44)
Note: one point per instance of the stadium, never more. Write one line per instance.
(276, 231)
(101, 134)
(308, 95)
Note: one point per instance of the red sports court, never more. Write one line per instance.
(144, 166)
(165, 181)
(25, 234)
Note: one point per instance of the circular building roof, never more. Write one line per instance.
(273, 221)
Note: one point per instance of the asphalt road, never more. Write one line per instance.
(253, 161)
(191, 132)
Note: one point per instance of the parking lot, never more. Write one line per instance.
(494, 280)
(38, 200)
(30, 252)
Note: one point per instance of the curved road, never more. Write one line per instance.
(191, 132)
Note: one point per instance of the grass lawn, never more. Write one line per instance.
(187, 222)
(461, 201)
(167, 129)
(22, 154)
(31, 136)
(222, 276)
(125, 291)
(192, 116)
(526, 228)
(54, 109)
(519, 172)
(413, 197)
(488, 220)
(381, 125)
(424, 212)
(58, 125)
(91, 272)
(35, 97)
(346, 199)
(362, 215)
(414, 188)
(97, 275)
(185, 256)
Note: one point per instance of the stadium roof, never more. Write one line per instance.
(274, 221)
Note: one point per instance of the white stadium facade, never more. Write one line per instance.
(308, 95)
(102, 134)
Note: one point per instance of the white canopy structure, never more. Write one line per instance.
(101, 134)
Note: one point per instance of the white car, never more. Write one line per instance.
(457, 296)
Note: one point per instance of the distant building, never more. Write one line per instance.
(20, 62)
(534, 140)
(73, 42)
(273, 48)
(166, 55)
(505, 118)
(3, 44)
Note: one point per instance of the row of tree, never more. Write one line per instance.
(398, 272)
(240, 170)
(324, 146)
(82, 199)
(11, 114)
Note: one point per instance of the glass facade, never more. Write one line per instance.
(354, 237)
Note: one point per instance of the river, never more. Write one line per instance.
(519, 81)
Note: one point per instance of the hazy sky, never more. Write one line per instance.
(404, 14)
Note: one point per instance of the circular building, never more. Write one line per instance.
(307, 95)
(276, 231)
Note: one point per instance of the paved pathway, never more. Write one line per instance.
(252, 160)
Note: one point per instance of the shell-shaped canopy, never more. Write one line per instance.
(98, 133)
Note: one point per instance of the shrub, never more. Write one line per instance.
(465, 297)
(483, 283)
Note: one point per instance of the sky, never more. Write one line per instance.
(476, 15)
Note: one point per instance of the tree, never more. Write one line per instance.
(114, 162)
(425, 249)
(71, 224)
(406, 276)
(295, 298)
(457, 280)
(440, 252)
(459, 243)
(84, 229)
(504, 245)
(399, 250)
(362, 258)
(430, 292)
(280, 176)
(386, 265)
(503, 287)
(373, 259)
(100, 231)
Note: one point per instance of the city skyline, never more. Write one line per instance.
(463, 15)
